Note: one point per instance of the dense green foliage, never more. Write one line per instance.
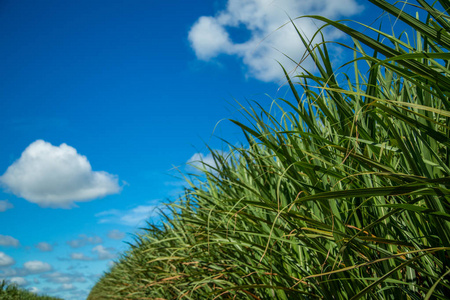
(343, 194)
(12, 292)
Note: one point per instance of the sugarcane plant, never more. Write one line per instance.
(10, 291)
(341, 193)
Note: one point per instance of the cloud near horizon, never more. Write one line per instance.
(29, 268)
(19, 281)
(58, 277)
(56, 177)
(210, 36)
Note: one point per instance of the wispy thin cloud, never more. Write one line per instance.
(104, 253)
(8, 241)
(62, 288)
(100, 253)
(133, 217)
(116, 234)
(80, 256)
(84, 240)
(44, 247)
(5, 205)
(59, 277)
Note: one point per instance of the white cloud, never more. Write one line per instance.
(34, 289)
(132, 217)
(100, 251)
(6, 240)
(209, 38)
(5, 205)
(57, 277)
(116, 234)
(19, 281)
(6, 260)
(56, 177)
(111, 263)
(44, 247)
(137, 215)
(36, 267)
(29, 268)
(67, 286)
(84, 240)
(80, 256)
(103, 253)
(267, 44)
(201, 161)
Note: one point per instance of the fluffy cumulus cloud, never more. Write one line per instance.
(36, 267)
(19, 281)
(116, 234)
(267, 43)
(6, 260)
(52, 176)
(5, 205)
(6, 240)
(44, 247)
(84, 240)
(133, 217)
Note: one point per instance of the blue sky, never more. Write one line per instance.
(102, 100)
